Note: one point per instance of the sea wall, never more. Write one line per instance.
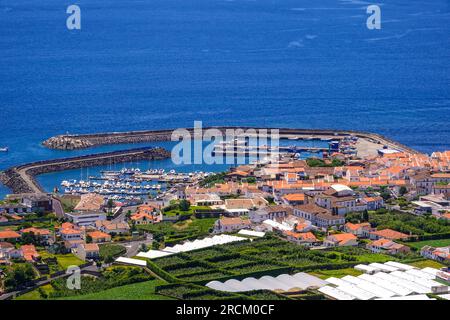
(21, 179)
(65, 142)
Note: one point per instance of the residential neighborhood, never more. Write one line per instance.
(331, 214)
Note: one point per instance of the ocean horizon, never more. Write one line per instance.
(143, 65)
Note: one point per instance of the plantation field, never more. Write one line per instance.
(136, 291)
(269, 255)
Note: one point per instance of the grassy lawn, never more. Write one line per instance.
(136, 291)
(427, 263)
(13, 228)
(111, 251)
(35, 295)
(339, 273)
(203, 225)
(433, 243)
(69, 202)
(189, 212)
(64, 260)
(182, 230)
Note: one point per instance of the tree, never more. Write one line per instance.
(88, 239)
(110, 204)
(365, 215)
(385, 194)
(184, 205)
(18, 275)
(402, 191)
(155, 245)
(28, 238)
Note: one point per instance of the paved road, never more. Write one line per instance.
(133, 246)
(58, 208)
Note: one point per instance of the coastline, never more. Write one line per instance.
(21, 179)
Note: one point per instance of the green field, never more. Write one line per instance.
(269, 255)
(339, 273)
(406, 223)
(434, 243)
(136, 291)
(110, 251)
(427, 263)
(35, 295)
(64, 260)
(190, 211)
(180, 231)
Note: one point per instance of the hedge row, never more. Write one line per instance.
(435, 236)
(160, 272)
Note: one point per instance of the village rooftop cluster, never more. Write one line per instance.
(359, 211)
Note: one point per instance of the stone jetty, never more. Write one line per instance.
(69, 142)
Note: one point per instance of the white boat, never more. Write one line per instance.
(4, 149)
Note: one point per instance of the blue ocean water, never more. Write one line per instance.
(165, 63)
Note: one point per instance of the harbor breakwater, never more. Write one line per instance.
(70, 142)
(21, 179)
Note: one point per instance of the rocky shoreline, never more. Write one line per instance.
(21, 179)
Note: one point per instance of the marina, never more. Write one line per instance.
(129, 182)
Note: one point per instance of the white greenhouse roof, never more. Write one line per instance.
(336, 293)
(414, 297)
(251, 233)
(283, 282)
(445, 296)
(191, 245)
(341, 187)
(383, 267)
(277, 225)
(414, 287)
(132, 261)
(366, 268)
(432, 271)
(400, 266)
(153, 254)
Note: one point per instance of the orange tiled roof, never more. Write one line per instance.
(29, 252)
(98, 235)
(9, 234)
(91, 247)
(36, 231)
(139, 216)
(234, 221)
(343, 238)
(294, 197)
(390, 234)
(356, 226)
